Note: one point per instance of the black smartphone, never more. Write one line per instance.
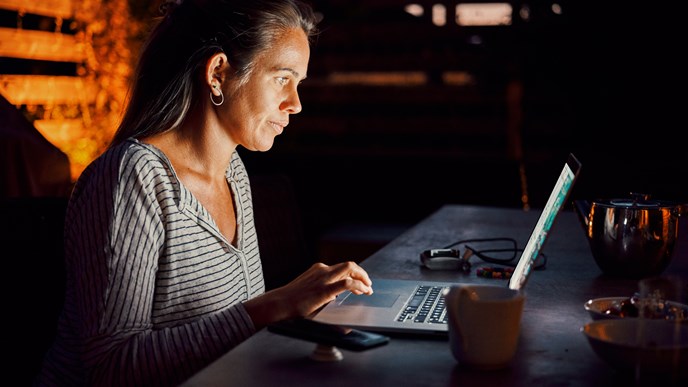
(328, 334)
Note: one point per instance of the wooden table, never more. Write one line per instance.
(552, 351)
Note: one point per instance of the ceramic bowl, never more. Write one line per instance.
(621, 307)
(644, 346)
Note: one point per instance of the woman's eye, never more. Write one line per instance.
(282, 80)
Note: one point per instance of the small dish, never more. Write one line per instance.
(651, 347)
(624, 307)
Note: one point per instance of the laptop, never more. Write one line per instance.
(417, 306)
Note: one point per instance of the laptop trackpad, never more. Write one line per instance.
(377, 300)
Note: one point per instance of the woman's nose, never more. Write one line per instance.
(292, 104)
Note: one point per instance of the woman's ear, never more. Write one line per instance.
(215, 71)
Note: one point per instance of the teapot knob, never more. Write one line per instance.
(639, 197)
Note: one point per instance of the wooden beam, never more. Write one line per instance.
(47, 90)
(60, 132)
(39, 45)
(66, 9)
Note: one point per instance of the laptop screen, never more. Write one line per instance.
(537, 237)
(410, 306)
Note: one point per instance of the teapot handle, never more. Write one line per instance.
(583, 210)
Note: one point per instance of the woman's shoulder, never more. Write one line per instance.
(127, 160)
(107, 161)
(137, 154)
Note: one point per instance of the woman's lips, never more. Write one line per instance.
(278, 126)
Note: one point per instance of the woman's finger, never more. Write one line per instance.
(352, 270)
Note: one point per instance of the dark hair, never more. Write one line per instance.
(166, 84)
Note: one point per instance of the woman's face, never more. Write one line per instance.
(257, 110)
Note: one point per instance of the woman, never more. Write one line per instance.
(164, 273)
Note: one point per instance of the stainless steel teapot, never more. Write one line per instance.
(630, 238)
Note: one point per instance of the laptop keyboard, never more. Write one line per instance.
(425, 306)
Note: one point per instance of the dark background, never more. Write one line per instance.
(603, 80)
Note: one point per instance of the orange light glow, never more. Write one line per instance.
(78, 114)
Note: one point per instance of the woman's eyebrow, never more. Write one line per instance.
(292, 71)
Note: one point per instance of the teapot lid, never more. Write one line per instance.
(634, 203)
(639, 200)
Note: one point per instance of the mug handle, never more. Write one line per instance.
(459, 296)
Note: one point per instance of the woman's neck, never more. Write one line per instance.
(196, 148)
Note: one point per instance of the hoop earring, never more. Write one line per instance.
(222, 100)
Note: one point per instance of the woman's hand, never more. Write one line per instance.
(307, 293)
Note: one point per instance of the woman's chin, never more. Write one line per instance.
(264, 146)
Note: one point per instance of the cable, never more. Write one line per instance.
(541, 261)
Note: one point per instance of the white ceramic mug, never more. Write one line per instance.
(484, 324)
